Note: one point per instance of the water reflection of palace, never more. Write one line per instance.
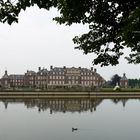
(62, 105)
(58, 105)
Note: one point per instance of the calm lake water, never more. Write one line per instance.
(53, 119)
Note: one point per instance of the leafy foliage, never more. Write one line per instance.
(113, 24)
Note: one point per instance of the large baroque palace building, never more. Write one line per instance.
(55, 77)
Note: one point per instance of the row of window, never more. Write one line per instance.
(41, 83)
(41, 78)
(20, 81)
(18, 84)
(31, 82)
(72, 82)
(73, 77)
(51, 82)
(60, 83)
(57, 77)
(86, 73)
(62, 73)
(63, 77)
(51, 77)
(88, 78)
(88, 83)
(57, 82)
(77, 72)
(69, 82)
(58, 73)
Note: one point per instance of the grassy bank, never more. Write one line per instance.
(72, 90)
(120, 90)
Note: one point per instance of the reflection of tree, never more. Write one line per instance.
(60, 105)
(6, 104)
(123, 101)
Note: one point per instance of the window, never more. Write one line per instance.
(73, 81)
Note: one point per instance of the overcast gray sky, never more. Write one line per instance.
(38, 41)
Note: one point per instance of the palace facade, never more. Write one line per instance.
(55, 77)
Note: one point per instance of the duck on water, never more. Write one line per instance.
(74, 129)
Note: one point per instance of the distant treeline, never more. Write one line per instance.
(134, 83)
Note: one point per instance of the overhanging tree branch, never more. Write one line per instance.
(110, 21)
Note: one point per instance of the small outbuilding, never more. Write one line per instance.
(124, 81)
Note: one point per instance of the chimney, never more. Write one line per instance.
(39, 68)
(95, 70)
(5, 72)
(64, 67)
(91, 68)
(124, 75)
(51, 67)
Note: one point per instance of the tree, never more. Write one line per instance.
(113, 24)
(134, 83)
(115, 79)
